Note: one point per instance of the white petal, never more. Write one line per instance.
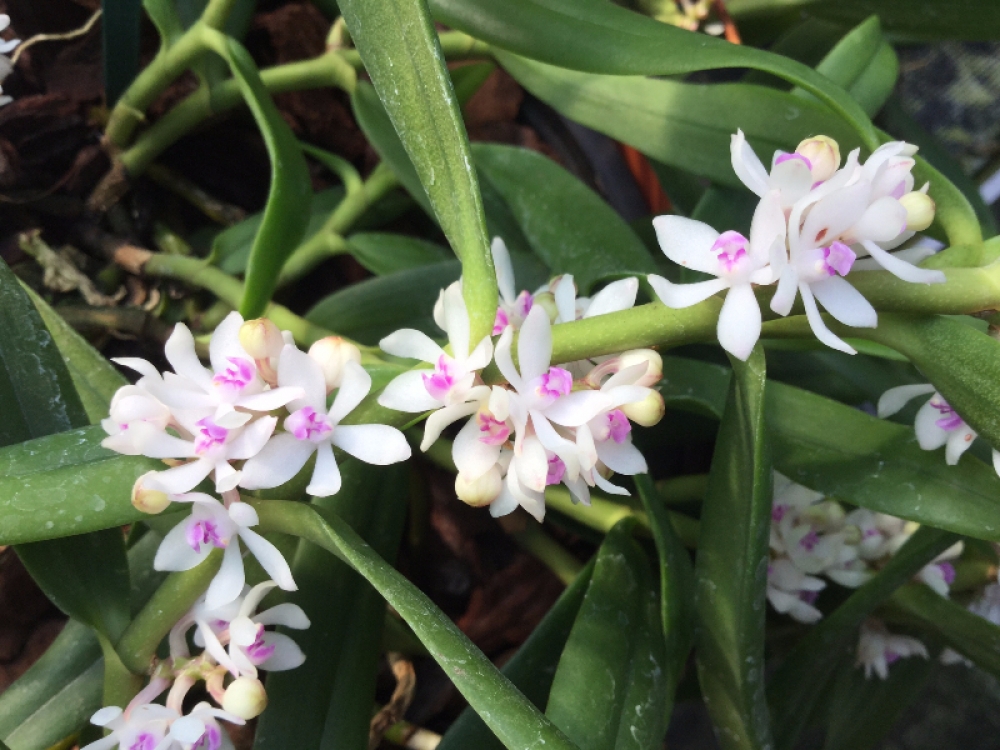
(180, 478)
(612, 489)
(505, 272)
(287, 654)
(739, 322)
(901, 269)
(157, 444)
(844, 302)
(687, 242)
(243, 514)
(819, 328)
(408, 393)
(895, 399)
(354, 387)
(472, 456)
(768, 226)
(278, 461)
(746, 165)
(296, 369)
(252, 438)
(579, 489)
(565, 296)
(883, 221)
(481, 355)
(411, 344)
(174, 553)
(504, 360)
(440, 419)
(142, 367)
(578, 407)
(996, 461)
(270, 559)
(616, 296)
(834, 214)
(179, 351)
(534, 344)
(187, 729)
(376, 444)
(791, 179)
(286, 614)
(679, 296)
(622, 458)
(326, 476)
(959, 441)
(504, 504)
(929, 435)
(274, 398)
(532, 464)
(228, 582)
(225, 342)
(226, 477)
(788, 287)
(456, 321)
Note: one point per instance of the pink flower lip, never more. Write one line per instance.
(809, 597)
(203, 532)
(308, 424)
(947, 572)
(491, 430)
(731, 248)
(950, 420)
(210, 740)
(809, 541)
(237, 376)
(500, 322)
(523, 303)
(838, 258)
(778, 512)
(618, 426)
(143, 741)
(440, 382)
(783, 157)
(209, 436)
(557, 470)
(556, 382)
(257, 651)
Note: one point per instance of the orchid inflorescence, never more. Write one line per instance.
(6, 66)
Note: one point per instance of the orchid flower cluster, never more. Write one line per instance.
(6, 66)
(816, 223)
(812, 536)
(552, 423)
(221, 424)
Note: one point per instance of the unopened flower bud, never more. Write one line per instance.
(146, 500)
(653, 372)
(823, 154)
(826, 513)
(261, 339)
(245, 697)
(647, 412)
(480, 491)
(852, 534)
(333, 353)
(920, 210)
(547, 301)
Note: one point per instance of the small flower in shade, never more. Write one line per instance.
(514, 308)
(878, 648)
(5, 64)
(450, 388)
(936, 424)
(137, 416)
(738, 263)
(312, 428)
(792, 592)
(151, 726)
(213, 526)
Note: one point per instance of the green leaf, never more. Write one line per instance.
(231, 247)
(569, 227)
(402, 55)
(975, 637)
(731, 565)
(287, 212)
(66, 484)
(120, 33)
(327, 702)
(684, 125)
(531, 669)
(609, 689)
(796, 686)
(506, 711)
(384, 253)
(601, 37)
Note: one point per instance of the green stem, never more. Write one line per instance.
(328, 69)
(120, 685)
(329, 240)
(533, 539)
(683, 489)
(217, 12)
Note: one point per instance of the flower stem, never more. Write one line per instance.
(533, 539)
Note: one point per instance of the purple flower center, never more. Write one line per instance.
(949, 417)
(491, 430)
(441, 381)
(618, 425)
(500, 322)
(838, 258)
(210, 740)
(209, 436)
(257, 651)
(203, 532)
(778, 512)
(809, 541)
(308, 424)
(557, 469)
(556, 382)
(731, 248)
(237, 376)
(143, 741)
(523, 303)
(783, 157)
(868, 533)
(947, 572)
(809, 597)
(891, 657)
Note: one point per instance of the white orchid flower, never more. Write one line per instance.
(792, 592)
(312, 428)
(133, 405)
(513, 308)
(878, 648)
(213, 526)
(5, 64)
(615, 297)
(144, 727)
(451, 387)
(737, 262)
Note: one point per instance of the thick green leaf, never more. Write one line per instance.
(287, 212)
(609, 689)
(531, 669)
(314, 705)
(685, 125)
(66, 484)
(569, 227)
(601, 37)
(403, 56)
(231, 247)
(805, 672)
(384, 253)
(731, 566)
(505, 710)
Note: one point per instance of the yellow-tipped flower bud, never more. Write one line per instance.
(146, 500)
(480, 491)
(919, 210)
(547, 301)
(333, 353)
(647, 412)
(245, 697)
(261, 339)
(653, 372)
(826, 513)
(823, 154)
